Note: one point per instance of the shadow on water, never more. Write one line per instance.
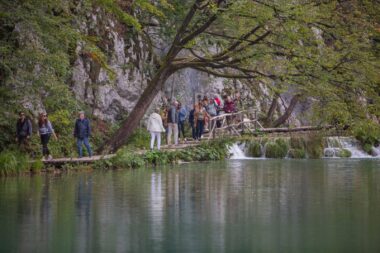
(230, 206)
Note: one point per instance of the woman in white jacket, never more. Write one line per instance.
(155, 127)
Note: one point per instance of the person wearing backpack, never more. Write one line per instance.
(82, 132)
(23, 130)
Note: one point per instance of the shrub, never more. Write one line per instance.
(254, 149)
(367, 133)
(276, 149)
(344, 153)
(37, 166)
(13, 163)
(127, 159)
(297, 153)
(314, 145)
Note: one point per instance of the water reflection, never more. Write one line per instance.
(232, 206)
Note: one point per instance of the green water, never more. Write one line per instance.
(231, 206)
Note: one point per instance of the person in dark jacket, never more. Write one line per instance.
(192, 122)
(82, 132)
(23, 129)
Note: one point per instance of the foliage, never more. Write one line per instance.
(314, 145)
(368, 133)
(276, 149)
(140, 139)
(254, 149)
(126, 158)
(345, 153)
(13, 163)
(37, 166)
(297, 153)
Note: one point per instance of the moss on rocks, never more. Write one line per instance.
(314, 145)
(276, 149)
(297, 153)
(254, 149)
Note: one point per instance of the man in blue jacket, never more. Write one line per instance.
(82, 132)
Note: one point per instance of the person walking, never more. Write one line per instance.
(182, 114)
(200, 115)
(45, 130)
(155, 127)
(173, 123)
(82, 132)
(212, 112)
(192, 122)
(23, 130)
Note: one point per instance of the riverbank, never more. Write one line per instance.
(14, 163)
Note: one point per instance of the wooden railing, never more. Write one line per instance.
(234, 123)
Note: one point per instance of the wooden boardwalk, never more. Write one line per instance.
(86, 160)
(228, 124)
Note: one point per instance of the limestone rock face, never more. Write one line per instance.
(113, 92)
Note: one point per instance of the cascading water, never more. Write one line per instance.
(338, 146)
(237, 152)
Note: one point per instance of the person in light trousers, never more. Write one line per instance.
(173, 123)
(155, 127)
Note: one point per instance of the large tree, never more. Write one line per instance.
(306, 45)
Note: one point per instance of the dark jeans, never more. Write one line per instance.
(199, 130)
(181, 128)
(193, 131)
(44, 141)
(80, 143)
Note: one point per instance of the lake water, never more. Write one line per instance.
(231, 206)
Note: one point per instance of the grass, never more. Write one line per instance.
(14, 163)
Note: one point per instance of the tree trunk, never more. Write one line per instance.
(281, 120)
(142, 105)
(271, 111)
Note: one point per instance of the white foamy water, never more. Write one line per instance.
(335, 144)
(237, 152)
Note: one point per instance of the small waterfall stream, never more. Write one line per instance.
(336, 145)
(237, 152)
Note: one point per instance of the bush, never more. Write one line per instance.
(127, 159)
(13, 163)
(367, 133)
(297, 153)
(344, 153)
(254, 149)
(37, 166)
(276, 149)
(314, 145)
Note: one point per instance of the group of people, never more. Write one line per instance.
(171, 120)
(82, 132)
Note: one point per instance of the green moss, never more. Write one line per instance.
(276, 149)
(314, 145)
(297, 153)
(254, 149)
(344, 153)
(368, 134)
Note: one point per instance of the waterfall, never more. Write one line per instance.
(376, 151)
(237, 152)
(337, 146)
